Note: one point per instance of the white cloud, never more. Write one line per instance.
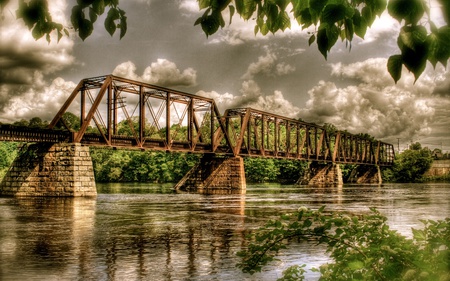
(267, 65)
(21, 55)
(252, 96)
(384, 28)
(376, 105)
(162, 72)
(43, 101)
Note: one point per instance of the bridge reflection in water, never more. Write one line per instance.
(122, 113)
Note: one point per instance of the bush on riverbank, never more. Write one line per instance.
(361, 247)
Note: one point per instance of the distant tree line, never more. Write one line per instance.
(159, 167)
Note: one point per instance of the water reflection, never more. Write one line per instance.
(148, 232)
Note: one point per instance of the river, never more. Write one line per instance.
(148, 232)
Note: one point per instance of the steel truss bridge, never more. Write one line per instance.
(122, 113)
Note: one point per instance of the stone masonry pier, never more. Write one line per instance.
(215, 174)
(48, 169)
(322, 174)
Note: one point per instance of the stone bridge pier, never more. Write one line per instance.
(331, 174)
(49, 169)
(322, 174)
(215, 174)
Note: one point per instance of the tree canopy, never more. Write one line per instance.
(420, 40)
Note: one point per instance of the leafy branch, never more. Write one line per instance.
(419, 39)
(36, 16)
(363, 248)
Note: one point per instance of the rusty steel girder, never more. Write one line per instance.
(119, 112)
(257, 133)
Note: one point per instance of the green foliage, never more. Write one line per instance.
(361, 247)
(419, 40)
(260, 170)
(410, 165)
(8, 152)
(140, 166)
(84, 14)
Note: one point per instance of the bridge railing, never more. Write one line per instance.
(27, 134)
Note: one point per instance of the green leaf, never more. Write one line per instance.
(394, 66)
(110, 26)
(85, 29)
(333, 13)
(322, 41)
(232, 10)
(359, 24)
(92, 15)
(368, 15)
(348, 29)
(333, 35)
(37, 32)
(356, 265)
(264, 29)
(445, 9)
(411, 11)
(202, 4)
(412, 37)
(284, 21)
(210, 24)
(123, 26)
(76, 17)
(311, 39)
(317, 5)
(99, 6)
(413, 44)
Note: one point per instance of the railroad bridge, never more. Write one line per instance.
(121, 113)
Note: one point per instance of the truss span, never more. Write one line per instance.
(123, 113)
(119, 112)
(258, 133)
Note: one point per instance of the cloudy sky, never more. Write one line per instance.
(277, 73)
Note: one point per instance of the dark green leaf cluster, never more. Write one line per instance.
(361, 247)
(84, 14)
(419, 40)
(418, 44)
(37, 18)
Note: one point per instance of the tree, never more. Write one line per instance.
(420, 40)
(410, 165)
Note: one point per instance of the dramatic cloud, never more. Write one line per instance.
(267, 65)
(25, 63)
(252, 96)
(162, 73)
(43, 101)
(21, 55)
(376, 105)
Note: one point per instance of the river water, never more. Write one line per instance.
(148, 232)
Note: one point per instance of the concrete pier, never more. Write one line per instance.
(215, 174)
(48, 169)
